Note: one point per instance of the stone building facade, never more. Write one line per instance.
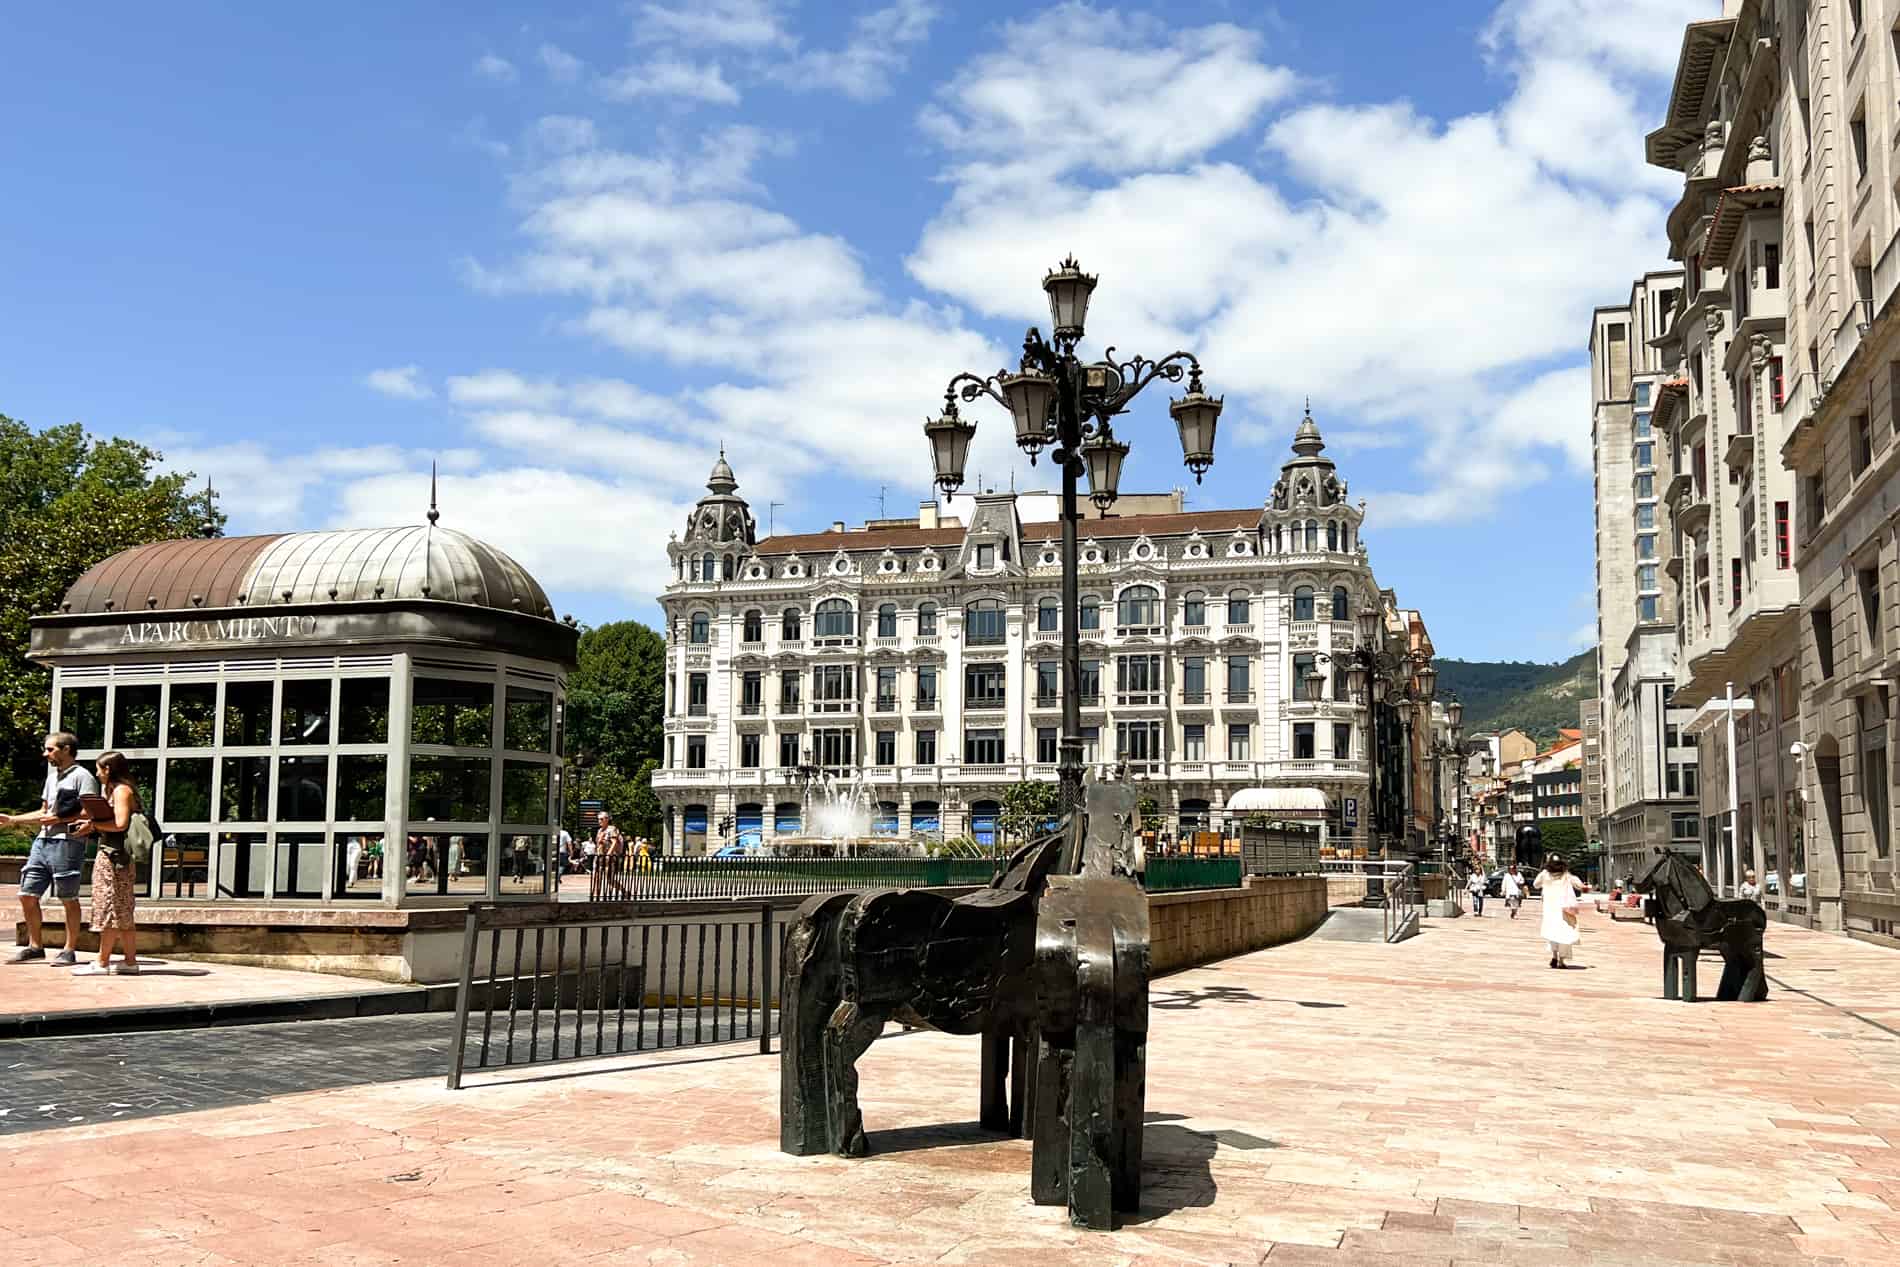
(915, 661)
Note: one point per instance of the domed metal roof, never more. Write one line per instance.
(298, 568)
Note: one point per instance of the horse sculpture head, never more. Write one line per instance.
(1669, 877)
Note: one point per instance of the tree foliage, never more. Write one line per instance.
(1028, 810)
(1538, 699)
(67, 501)
(616, 700)
(628, 797)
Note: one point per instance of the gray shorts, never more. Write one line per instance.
(53, 864)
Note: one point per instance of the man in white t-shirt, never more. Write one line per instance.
(57, 857)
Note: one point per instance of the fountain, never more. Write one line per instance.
(838, 814)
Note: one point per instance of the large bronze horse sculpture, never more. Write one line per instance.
(1689, 918)
(1049, 964)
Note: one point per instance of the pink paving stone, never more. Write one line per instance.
(30, 989)
(1295, 1134)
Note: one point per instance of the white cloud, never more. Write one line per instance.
(746, 24)
(877, 51)
(675, 80)
(262, 490)
(500, 69)
(565, 133)
(562, 66)
(488, 389)
(402, 381)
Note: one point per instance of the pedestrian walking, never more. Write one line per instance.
(1475, 885)
(1560, 889)
(114, 873)
(54, 861)
(608, 847)
(1511, 887)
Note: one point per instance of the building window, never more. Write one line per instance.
(1645, 486)
(983, 624)
(1089, 686)
(696, 695)
(1304, 663)
(1239, 678)
(1138, 679)
(1332, 534)
(927, 686)
(1771, 273)
(748, 752)
(1342, 741)
(1303, 603)
(1091, 744)
(1194, 742)
(790, 693)
(1091, 612)
(754, 630)
(834, 684)
(1870, 608)
(695, 752)
(1646, 515)
(1239, 742)
(791, 625)
(983, 686)
(1822, 619)
(787, 751)
(700, 629)
(1303, 741)
(1237, 609)
(1875, 773)
(886, 691)
(1194, 679)
(1138, 742)
(1645, 455)
(886, 747)
(1642, 394)
(983, 747)
(1644, 427)
(751, 691)
(835, 749)
(1777, 381)
(1048, 682)
(1194, 612)
(1048, 615)
(1139, 608)
(1781, 530)
(1646, 607)
(1857, 128)
(1046, 745)
(1342, 602)
(926, 747)
(1863, 435)
(834, 619)
(926, 618)
(887, 620)
(1734, 583)
(1646, 546)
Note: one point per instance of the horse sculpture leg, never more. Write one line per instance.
(1672, 974)
(848, 1035)
(993, 1094)
(810, 994)
(1689, 959)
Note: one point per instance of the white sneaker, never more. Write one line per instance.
(92, 970)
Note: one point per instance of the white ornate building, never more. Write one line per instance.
(920, 657)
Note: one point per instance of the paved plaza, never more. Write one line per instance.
(1450, 1099)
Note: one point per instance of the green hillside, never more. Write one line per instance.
(1535, 698)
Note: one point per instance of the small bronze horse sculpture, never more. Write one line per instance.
(1049, 964)
(1690, 918)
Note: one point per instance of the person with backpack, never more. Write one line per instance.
(56, 857)
(125, 839)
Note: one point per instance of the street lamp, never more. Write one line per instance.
(1055, 398)
(1374, 674)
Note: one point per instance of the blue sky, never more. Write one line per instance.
(565, 253)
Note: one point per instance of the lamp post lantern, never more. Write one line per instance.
(1374, 674)
(1056, 398)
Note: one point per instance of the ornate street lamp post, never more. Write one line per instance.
(1055, 398)
(1372, 674)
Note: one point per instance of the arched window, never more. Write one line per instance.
(1048, 615)
(1194, 609)
(701, 628)
(708, 570)
(1312, 536)
(791, 625)
(887, 620)
(1239, 609)
(983, 623)
(1140, 607)
(728, 571)
(754, 626)
(1091, 612)
(1303, 603)
(926, 618)
(1332, 534)
(1340, 603)
(834, 619)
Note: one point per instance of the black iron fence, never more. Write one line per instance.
(631, 878)
(573, 982)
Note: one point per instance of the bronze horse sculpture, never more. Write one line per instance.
(1049, 964)
(1689, 918)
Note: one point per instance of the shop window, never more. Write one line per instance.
(193, 720)
(135, 717)
(306, 713)
(303, 789)
(362, 788)
(450, 789)
(453, 713)
(528, 725)
(247, 714)
(187, 790)
(244, 789)
(524, 792)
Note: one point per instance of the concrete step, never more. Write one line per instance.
(1352, 923)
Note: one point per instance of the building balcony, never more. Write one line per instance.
(927, 704)
(1238, 631)
(927, 640)
(1693, 515)
(986, 704)
(1047, 701)
(1045, 635)
(1297, 768)
(834, 706)
(1194, 631)
(885, 704)
(752, 646)
(751, 708)
(840, 642)
(790, 708)
(886, 642)
(1741, 449)
(1139, 631)
(1140, 699)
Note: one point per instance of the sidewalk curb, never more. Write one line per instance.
(163, 1016)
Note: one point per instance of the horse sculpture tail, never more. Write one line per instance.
(810, 992)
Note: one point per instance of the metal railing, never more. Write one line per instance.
(579, 982)
(630, 878)
(1390, 885)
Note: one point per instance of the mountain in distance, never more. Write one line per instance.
(1535, 698)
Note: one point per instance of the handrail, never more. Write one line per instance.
(1400, 900)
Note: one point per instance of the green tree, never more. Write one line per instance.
(67, 501)
(1147, 813)
(629, 798)
(1028, 810)
(616, 697)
